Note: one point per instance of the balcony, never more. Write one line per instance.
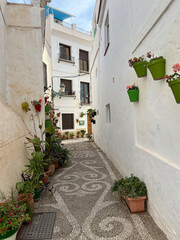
(69, 94)
(65, 58)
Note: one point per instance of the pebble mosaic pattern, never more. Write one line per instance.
(84, 205)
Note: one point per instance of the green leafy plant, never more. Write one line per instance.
(152, 57)
(36, 169)
(130, 187)
(89, 136)
(92, 113)
(71, 134)
(78, 133)
(134, 60)
(67, 134)
(24, 187)
(82, 114)
(12, 215)
(83, 132)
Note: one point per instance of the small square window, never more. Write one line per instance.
(108, 113)
(67, 121)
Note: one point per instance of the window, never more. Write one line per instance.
(65, 52)
(67, 121)
(83, 61)
(108, 113)
(106, 31)
(84, 92)
(45, 75)
(68, 86)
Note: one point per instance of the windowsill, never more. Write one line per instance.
(106, 49)
(82, 71)
(65, 60)
(85, 104)
(66, 95)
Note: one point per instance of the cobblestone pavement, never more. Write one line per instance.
(84, 205)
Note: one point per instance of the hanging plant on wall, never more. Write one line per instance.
(156, 66)
(37, 105)
(139, 65)
(174, 81)
(25, 106)
(133, 92)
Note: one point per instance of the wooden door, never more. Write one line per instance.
(89, 124)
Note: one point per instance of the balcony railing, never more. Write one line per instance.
(83, 31)
(65, 24)
(66, 58)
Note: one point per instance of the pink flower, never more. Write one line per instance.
(128, 87)
(1, 220)
(166, 77)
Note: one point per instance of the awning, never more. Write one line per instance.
(57, 13)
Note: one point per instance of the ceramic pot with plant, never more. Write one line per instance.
(71, 135)
(46, 177)
(36, 169)
(67, 135)
(47, 108)
(12, 215)
(83, 132)
(174, 82)
(25, 106)
(37, 105)
(78, 134)
(156, 66)
(139, 65)
(47, 123)
(82, 114)
(133, 191)
(51, 168)
(133, 93)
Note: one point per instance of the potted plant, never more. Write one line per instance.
(12, 215)
(77, 120)
(139, 65)
(89, 136)
(37, 105)
(93, 121)
(67, 135)
(72, 135)
(45, 99)
(36, 171)
(174, 82)
(25, 106)
(78, 133)
(82, 114)
(133, 191)
(133, 92)
(83, 132)
(47, 123)
(156, 66)
(47, 107)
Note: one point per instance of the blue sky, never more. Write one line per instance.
(82, 9)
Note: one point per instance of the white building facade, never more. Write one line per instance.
(67, 55)
(142, 138)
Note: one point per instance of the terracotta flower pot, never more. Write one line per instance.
(38, 107)
(28, 197)
(56, 164)
(136, 204)
(52, 169)
(46, 177)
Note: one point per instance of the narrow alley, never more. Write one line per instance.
(84, 205)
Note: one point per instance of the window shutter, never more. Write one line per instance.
(67, 121)
(83, 55)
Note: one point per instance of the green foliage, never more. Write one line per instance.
(131, 187)
(12, 215)
(24, 187)
(72, 134)
(67, 133)
(82, 114)
(89, 136)
(36, 169)
(83, 132)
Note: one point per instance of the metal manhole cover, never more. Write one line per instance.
(40, 229)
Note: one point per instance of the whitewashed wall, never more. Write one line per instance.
(21, 79)
(142, 138)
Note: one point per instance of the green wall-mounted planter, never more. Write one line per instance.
(47, 123)
(175, 87)
(140, 68)
(133, 95)
(47, 108)
(157, 68)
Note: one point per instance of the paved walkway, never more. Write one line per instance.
(85, 207)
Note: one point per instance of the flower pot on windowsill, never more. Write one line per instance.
(133, 95)
(175, 87)
(136, 204)
(140, 68)
(157, 68)
(38, 107)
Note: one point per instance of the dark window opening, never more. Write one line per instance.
(45, 75)
(65, 52)
(85, 92)
(67, 121)
(83, 61)
(68, 86)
